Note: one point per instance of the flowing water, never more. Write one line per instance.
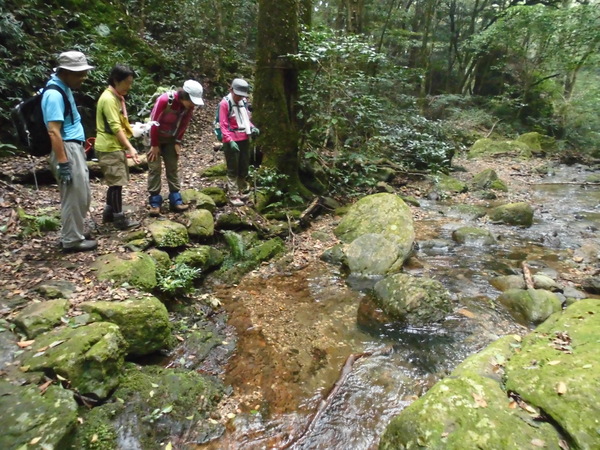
(296, 331)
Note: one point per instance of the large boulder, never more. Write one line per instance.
(371, 255)
(32, 419)
(538, 143)
(530, 306)
(89, 357)
(557, 372)
(169, 234)
(469, 410)
(154, 405)
(488, 148)
(519, 213)
(449, 185)
(200, 223)
(411, 300)
(383, 214)
(136, 268)
(40, 317)
(144, 322)
(488, 179)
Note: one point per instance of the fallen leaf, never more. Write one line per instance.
(169, 446)
(563, 444)
(61, 378)
(561, 388)
(24, 344)
(94, 438)
(538, 443)
(35, 440)
(512, 404)
(55, 343)
(151, 394)
(180, 338)
(80, 420)
(45, 386)
(465, 312)
(230, 415)
(479, 400)
(554, 362)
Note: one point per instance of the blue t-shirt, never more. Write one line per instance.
(54, 111)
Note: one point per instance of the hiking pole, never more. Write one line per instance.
(254, 175)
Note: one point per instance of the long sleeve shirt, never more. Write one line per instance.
(229, 125)
(173, 119)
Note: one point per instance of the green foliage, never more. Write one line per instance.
(39, 223)
(177, 279)
(271, 183)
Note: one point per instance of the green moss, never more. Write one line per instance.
(136, 268)
(489, 147)
(219, 170)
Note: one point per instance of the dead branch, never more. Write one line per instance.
(527, 276)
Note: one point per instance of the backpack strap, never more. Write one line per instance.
(68, 110)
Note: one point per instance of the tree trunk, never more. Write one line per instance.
(276, 89)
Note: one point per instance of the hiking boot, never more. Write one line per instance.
(121, 222)
(154, 211)
(107, 214)
(235, 201)
(179, 208)
(81, 246)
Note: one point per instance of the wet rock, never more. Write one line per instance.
(236, 244)
(382, 186)
(489, 147)
(372, 254)
(168, 234)
(589, 251)
(541, 281)
(200, 199)
(218, 195)
(232, 221)
(143, 322)
(203, 257)
(591, 285)
(155, 405)
(556, 371)
(506, 282)
(411, 300)
(253, 257)
(383, 214)
(334, 255)
(40, 317)
(530, 306)
(469, 409)
(56, 289)
(384, 174)
(473, 236)
(513, 214)
(573, 295)
(89, 357)
(161, 258)
(31, 419)
(200, 223)
(467, 212)
(136, 268)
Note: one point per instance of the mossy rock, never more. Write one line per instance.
(372, 255)
(49, 418)
(160, 257)
(232, 221)
(467, 212)
(489, 147)
(506, 282)
(154, 405)
(565, 349)
(40, 317)
(200, 223)
(488, 179)
(218, 170)
(538, 143)
(411, 300)
(384, 214)
(519, 213)
(89, 357)
(168, 234)
(56, 289)
(201, 200)
(473, 236)
(469, 409)
(218, 195)
(450, 185)
(203, 257)
(137, 269)
(530, 306)
(139, 245)
(144, 322)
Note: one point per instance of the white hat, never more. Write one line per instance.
(195, 90)
(73, 61)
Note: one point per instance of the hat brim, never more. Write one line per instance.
(240, 93)
(197, 101)
(75, 68)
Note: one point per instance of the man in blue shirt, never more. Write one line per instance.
(67, 160)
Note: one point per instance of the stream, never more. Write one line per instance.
(296, 330)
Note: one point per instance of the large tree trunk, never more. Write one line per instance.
(276, 89)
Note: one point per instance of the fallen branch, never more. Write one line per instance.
(326, 402)
(527, 276)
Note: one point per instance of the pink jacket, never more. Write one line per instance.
(173, 122)
(229, 126)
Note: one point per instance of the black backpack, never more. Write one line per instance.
(29, 122)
